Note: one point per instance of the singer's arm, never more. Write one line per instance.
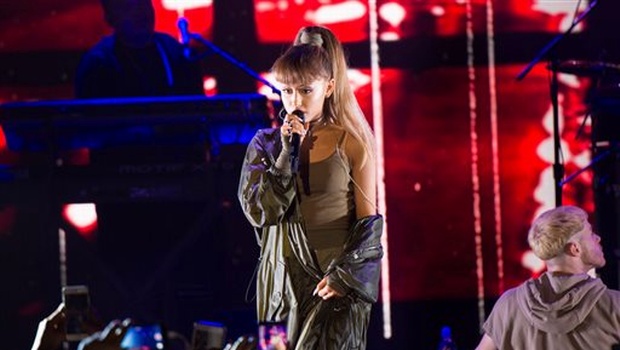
(265, 192)
(364, 176)
(292, 131)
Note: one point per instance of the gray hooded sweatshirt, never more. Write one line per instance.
(556, 312)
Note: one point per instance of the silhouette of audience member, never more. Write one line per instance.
(51, 332)
(109, 338)
(136, 60)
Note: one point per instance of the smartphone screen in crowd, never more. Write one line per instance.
(272, 336)
(77, 304)
(145, 337)
(208, 335)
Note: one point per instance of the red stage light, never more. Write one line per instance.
(82, 216)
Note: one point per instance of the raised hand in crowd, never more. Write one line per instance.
(109, 338)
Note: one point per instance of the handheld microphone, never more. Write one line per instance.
(295, 143)
(184, 30)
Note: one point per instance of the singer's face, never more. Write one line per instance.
(307, 97)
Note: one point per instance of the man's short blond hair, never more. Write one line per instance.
(552, 230)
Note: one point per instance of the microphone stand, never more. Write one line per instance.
(234, 61)
(592, 163)
(558, 167)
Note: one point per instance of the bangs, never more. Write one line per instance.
(302, 64)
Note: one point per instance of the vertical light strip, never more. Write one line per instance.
(497, 203)
(377, 117)
(62, 256)
(475, 179)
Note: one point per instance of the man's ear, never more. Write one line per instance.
(572, 249)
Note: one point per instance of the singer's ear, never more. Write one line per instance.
(331, 85)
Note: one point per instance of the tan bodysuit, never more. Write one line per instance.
(327, 205)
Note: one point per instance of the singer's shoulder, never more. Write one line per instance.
(354, 148)
(267, 135)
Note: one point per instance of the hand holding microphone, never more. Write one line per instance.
(292, 131)
(296, 133)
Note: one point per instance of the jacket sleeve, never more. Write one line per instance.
(359, 267)
(264, 192)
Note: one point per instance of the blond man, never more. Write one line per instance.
(564, 308)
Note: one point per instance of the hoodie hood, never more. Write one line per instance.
(558, 304)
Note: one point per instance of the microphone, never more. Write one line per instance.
(295, 142)
(184, 30)
(185, 36)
